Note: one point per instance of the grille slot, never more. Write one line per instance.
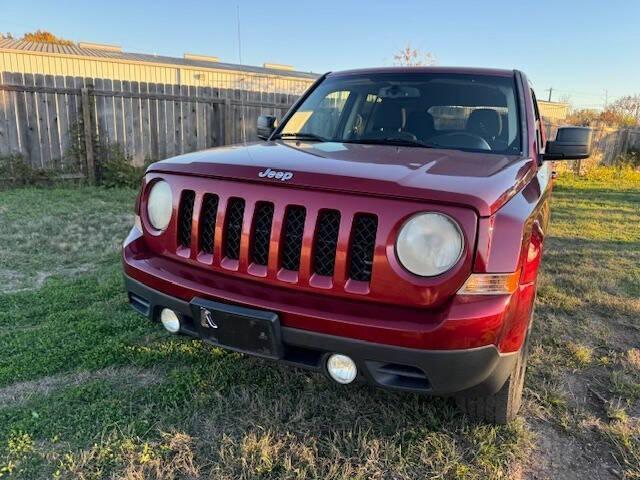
(363, 241)
(208, 222)
(262, 221)
(235, 214)
(293, 233)
(185, 218)
(324, 252)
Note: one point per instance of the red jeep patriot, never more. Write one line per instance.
(389, 229)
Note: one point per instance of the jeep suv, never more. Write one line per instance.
(388, 229)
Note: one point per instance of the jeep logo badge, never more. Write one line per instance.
(206, 319)
(277, 174)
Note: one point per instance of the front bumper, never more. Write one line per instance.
(482, 370)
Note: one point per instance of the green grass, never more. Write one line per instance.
(89, 389)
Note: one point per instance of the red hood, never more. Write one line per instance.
(478, 180)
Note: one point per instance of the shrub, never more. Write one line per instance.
(631, 159)
(15, 171)
(115, 168)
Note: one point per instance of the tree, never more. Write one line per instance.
(412, 57)
(42, 36)
(611, 117)
(584, 117)
(628, 106)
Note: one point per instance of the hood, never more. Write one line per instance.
(481, 181)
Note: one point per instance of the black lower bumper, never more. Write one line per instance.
(477, 371)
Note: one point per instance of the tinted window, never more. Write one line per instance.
(473, 112)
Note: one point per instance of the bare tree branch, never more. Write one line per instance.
(412, 57)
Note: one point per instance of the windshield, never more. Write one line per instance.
(439, 110)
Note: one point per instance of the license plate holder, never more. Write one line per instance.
(246, 330)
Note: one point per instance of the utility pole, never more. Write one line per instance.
(550, 90)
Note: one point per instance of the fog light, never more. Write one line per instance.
(170, 320)
(341, 368)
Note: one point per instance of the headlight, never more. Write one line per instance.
(160, 205)
(429, 244)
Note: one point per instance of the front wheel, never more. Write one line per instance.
(503, 406)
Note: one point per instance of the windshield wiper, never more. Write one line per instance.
(402, 142)
(301, 136)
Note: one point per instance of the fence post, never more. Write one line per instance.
(227, 122)
(88, 135)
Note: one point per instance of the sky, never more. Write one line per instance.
(586, 50)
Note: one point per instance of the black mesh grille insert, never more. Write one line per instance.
(208, 222)
(293, 232)
(363, 240)
(324, 252)
(262, 220)
(235, 213)
(185, 217)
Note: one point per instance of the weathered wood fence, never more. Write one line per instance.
(48, 119)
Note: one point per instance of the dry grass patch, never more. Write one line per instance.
(125, 377)
(632, 359)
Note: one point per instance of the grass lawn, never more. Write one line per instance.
(89, 389)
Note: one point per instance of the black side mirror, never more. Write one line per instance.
(266, 126)
(571, 143)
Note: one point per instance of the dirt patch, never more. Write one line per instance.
(564, 457)
(19, 393)
(12, 281)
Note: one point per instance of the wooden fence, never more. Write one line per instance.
(48, 119)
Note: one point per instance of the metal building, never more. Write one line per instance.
(91, 60)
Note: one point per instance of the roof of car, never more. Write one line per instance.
(462, 70)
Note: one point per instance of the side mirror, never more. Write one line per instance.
(266, 126)
(571, 143)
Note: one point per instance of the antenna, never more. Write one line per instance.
(242, 106)
(239, 37)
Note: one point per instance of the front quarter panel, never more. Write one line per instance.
(512, 240)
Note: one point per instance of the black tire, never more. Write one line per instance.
(501, 407)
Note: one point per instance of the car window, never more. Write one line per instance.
(455, 117)
(539, 134)
(323, 119)
(473, 112)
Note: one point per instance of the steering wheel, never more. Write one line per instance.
(460, 140)
(395, 135)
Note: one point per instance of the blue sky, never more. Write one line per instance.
(580, 48)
